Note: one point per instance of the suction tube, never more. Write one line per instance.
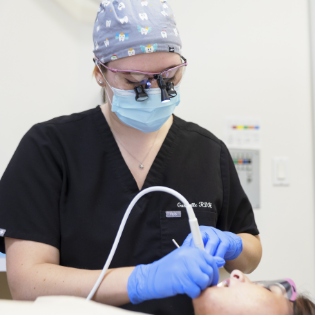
(193, 222)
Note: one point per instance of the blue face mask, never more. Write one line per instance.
(147, 116)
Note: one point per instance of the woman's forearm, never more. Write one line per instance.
(50, 279)
(250, 257)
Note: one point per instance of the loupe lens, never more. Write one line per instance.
(141, 95)
(170, 89)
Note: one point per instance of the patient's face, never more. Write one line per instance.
(241, 297)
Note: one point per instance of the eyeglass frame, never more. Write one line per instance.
(146, 73)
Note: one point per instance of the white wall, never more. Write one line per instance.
(246, 58)
(252, 58)
(45, 68)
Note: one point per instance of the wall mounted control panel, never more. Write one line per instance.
(247, 164)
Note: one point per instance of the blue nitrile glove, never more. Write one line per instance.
(185, 270)
(226, 245)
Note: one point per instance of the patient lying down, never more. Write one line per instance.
(239, 296)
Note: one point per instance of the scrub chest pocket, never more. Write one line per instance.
(175, 225)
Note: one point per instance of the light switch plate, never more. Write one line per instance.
(2, 264)
(281, 171)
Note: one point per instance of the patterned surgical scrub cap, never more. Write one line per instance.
(131, 27)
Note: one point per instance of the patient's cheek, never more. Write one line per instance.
(197, 307)
(201, 304)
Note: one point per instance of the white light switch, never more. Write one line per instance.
(281, 171)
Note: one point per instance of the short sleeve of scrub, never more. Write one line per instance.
(236, 214)
(30, 191)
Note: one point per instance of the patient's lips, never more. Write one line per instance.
(224, 284)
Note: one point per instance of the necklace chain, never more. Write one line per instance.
(141, 166)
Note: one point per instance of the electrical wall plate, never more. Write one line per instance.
(2, 264)
(281, 171)
(247, 164)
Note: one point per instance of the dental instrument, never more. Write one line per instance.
(175, 243)
(193, 222)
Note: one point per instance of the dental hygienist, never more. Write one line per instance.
(71, 179)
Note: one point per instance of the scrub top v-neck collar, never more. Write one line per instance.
(158, 167)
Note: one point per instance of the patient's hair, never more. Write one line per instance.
(304, 306)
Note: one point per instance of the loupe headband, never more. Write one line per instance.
(185, 63)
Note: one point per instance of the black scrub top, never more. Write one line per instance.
(68, 186)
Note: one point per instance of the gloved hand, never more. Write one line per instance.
(226, 245)
(185, 270)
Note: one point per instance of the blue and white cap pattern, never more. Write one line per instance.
(129, 27)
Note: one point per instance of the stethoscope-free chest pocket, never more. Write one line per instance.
(175, 225)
